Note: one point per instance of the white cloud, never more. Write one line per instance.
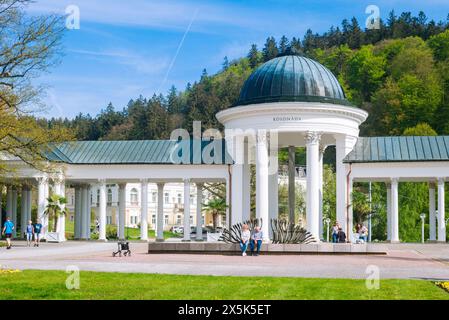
(137, 62)
(157, 13)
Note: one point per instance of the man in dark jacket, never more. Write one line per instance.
(341, 236)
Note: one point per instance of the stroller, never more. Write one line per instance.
(122, 246)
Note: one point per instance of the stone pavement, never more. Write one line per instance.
(413, 261)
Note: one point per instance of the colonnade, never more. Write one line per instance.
(267, 182)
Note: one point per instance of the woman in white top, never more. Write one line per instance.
(244, 241)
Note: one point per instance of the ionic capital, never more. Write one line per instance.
(312, 137)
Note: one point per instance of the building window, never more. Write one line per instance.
(191, 220)
(98, 197)
(108, 220)
(167, 197)
(134, 197)
(179, 198)
(109, 197)
(178, 219)
(154, 197)
(153, 219)
(166, 219)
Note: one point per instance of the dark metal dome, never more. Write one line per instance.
(289, 78)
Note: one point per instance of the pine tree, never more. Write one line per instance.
(225, 64)
(270, 49)
(173, 101)
(283, 44)
(253, 56)
(295, 44)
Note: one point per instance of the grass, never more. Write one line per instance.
(131, 233)
(96, 285)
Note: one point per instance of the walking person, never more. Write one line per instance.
(256, 240)
(246, 235)
(29, 232)
(37, 233)
(8, 228)
(335, 232)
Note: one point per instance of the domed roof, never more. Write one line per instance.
(290, 78)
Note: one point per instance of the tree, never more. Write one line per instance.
(29, 46)
(440, 46)
(225, 63)
(421, 129)
(217, 207)
(253, 56)
(365, 72)
(270, 49)
(355, 34)
(55, 208)
(283, 44)
(360, 206)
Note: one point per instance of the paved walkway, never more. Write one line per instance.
(413, 261)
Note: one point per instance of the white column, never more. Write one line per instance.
(86, 212)
(160, 212)
(14, 210)
(77, 212)
(199, 211)
(60, 191)
(344, 145)
(312, 205)
(1, 211)
(349, 211)
(291, 183)
(144, 210)
(102, 210)
(186, 210)
(240, 183)
(262, 182)
(228, 203)
(273, 193)
(62, 217)
(9, 202)
(441, 212)
(84, 207)
(320, 187)
(432, 213)
(122, 210)
(394, 210)
(388, 211)
(42, 192)
(23, 210)
(29, 201)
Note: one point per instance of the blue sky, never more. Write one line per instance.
(127, 48)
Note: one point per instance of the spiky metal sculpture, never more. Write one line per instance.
(234, 234)
(283, 232)
(287, 232)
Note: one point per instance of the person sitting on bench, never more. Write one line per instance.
(341, 236)
(256, 240)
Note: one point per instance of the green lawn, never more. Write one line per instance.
(131, 233)
(95, 285)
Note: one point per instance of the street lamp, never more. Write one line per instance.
(423, 219)
(328, 221)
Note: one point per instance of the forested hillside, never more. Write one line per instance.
(398, 73)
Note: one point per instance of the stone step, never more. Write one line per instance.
(267, 248)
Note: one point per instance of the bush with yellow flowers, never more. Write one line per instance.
(8, 271)
(443, 284)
